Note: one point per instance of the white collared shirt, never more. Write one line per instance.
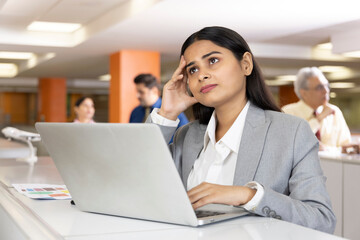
(217, 161)
(334, 131)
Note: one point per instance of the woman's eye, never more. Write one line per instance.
(213, 60)
(192, 70)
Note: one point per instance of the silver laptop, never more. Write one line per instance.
(124, 170)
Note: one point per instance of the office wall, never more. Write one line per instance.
(17, 108)
(20, 108)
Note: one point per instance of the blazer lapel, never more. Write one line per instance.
(193, 144)
(251, 146)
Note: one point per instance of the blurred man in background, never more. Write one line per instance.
(148, 93)
(326, 120)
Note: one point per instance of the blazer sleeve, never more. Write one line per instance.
(166, 131)
(308, 202)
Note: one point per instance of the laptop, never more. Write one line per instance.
(124, 170)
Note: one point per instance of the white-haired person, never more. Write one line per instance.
(326, 120)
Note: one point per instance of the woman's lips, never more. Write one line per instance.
(207, 88)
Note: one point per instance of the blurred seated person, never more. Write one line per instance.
(84, 110)
(326, 120)
(148, 93)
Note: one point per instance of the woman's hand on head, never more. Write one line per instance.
(175, 98)
(207, 193)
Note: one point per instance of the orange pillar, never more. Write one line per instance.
(287, 95)
(124, 67)
(52, 100)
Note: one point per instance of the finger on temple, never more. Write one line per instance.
(180, 68)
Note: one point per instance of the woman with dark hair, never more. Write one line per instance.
(241, 150)
(256, 90)
(84, 110)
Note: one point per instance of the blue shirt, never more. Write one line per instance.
(137, 115)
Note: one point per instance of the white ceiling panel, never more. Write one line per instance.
(2, 2)
(316, 36)
(80, 11)
(14, 22)
(256, 20)
(112, 25)
(33, 8)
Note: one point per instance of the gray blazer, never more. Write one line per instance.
(278, 151)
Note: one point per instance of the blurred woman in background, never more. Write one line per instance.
(84, 110)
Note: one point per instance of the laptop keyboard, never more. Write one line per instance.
(201, 213)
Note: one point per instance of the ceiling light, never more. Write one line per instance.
(342, 85)
(276, 83)
(327, 46)
(290, 78)
(38, 59)
(328, 69)
(8, 70)
(333, 95)
(53, 27)
(355, 54)
(341, 75)
(105, 77)
(16, 55)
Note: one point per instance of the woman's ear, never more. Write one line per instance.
(247, 63)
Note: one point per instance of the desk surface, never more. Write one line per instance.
(13, 149)
(340, 157)
(58, 219)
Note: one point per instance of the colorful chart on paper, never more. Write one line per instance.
(43, 191)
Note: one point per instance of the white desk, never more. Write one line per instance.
(13, 149)
(343, 177)
(24, 218)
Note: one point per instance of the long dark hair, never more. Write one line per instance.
(80, 100)
(256, 90)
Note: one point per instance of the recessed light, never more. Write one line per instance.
(8, 70)
(105, 77)
(276, 83)
(291, 78)
(16, 55)
(328, 46)
(53, 27)
(333, 95)
(342, 85)
(340, 75)
(355, 54)
(333, 68)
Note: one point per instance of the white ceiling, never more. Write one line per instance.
(281, 33)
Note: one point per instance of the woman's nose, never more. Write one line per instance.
(204, 76)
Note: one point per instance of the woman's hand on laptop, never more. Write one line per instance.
(207, 193)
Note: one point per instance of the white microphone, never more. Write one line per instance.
(24, 136)
(28, 137)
